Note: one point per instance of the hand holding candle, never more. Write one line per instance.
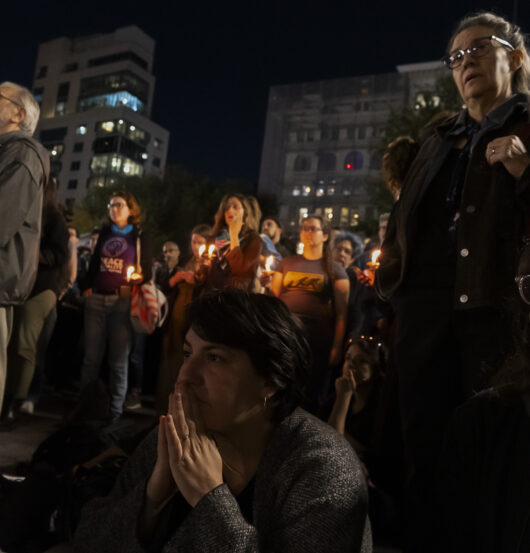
(372, 267)
(132, 275)
(268, 264)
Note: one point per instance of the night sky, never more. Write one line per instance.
(215, 60)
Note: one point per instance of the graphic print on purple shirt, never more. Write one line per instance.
(117, 253)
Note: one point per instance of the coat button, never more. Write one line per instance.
(463, 298)
(464, 252)
(470, 209)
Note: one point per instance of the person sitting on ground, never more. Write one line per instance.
(236, 466)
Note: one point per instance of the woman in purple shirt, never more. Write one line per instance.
(108, 296)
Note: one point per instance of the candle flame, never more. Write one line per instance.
(375, 256)
(269, 262)
(201, 250)
(130, 271)
(211, 249)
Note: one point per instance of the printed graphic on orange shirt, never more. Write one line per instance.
(311, 282)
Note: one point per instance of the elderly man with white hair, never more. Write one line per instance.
(24, 170)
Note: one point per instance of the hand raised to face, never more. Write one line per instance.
(194, 460)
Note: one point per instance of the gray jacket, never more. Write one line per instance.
(24, 170)
(309, 496)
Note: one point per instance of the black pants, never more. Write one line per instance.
(443, 357)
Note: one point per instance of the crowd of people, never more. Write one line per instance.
(365, 385)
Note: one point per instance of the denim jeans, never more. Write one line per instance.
(107, 322)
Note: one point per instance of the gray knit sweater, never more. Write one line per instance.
(310, 496)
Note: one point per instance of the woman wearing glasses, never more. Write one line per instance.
(108, 292)
(316, 289)
(450, 256)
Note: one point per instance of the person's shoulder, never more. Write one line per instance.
(309, 442)
(339, 272)
(25, 149)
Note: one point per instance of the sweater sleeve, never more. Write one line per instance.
(319, 507)
(108, 524)
(244, 259)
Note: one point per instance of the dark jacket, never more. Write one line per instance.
(491, 216)
(24, 170)
(146, 256)
(54, 253)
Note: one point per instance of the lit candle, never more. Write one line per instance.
(201, 250)
(268, 263)
(375, 257)
(132, 275)
(211, 249)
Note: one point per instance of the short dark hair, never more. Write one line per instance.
(272, 218)
(265, 329)
(345, 236)
(75, 229)
(202, 230)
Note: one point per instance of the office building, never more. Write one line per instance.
(322, 145)
(96, 95)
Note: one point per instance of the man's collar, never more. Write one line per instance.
(12, 134)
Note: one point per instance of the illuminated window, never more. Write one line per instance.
(81, 129)
(296, 191)
(108, 126)
(56, 150)
(60, 109)
(328, 213)
(306, 191)
(157, 143)
(346, 190)
(121, 98)
(331, 190)
(353, 161)
(344, 216)
(303, 212)
(115, 163)
(320, 191)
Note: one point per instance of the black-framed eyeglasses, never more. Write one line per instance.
(480, 47)
(12, 101)
(309, 228)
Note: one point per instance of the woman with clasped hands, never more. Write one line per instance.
(235, 466)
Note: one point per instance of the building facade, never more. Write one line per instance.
(321, 150)
(96, 95)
